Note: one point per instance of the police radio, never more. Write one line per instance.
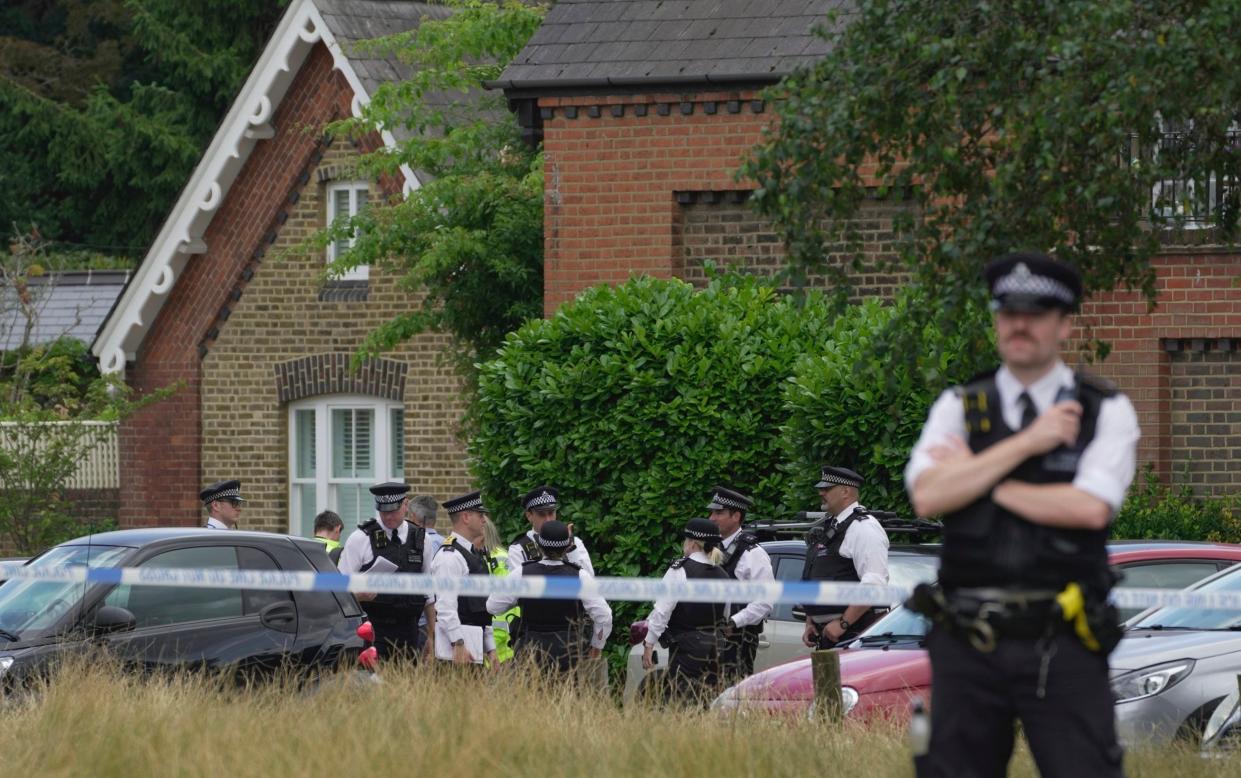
(1065, 458)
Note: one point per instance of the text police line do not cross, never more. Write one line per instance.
(544, 587)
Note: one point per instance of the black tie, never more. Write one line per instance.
(396, 538)
(1028, 414)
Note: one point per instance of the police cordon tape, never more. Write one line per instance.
(554, 587)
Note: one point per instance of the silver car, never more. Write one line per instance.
(1175, 665)
(780, 642)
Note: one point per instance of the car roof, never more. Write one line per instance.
(146, 535)
(791, 546)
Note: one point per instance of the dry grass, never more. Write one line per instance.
(100, 722)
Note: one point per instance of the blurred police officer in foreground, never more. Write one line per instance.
(851, 546)
(328, 527)
(541, 504)
(553, 632)
(693, 632)
(1027, 465)
(422, 512)
(223, 503)
(390, 537)
(463, 633)
(745, 560)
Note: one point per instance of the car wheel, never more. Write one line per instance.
(1192, 728)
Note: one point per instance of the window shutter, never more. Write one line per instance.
(397, 437)
(340, 210)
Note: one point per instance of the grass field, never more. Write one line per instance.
(96, 721)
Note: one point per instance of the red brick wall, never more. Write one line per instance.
(160, 447)
(610, 208)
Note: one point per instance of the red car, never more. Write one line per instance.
(886, 667)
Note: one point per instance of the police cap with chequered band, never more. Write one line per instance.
(704, 530)
(553, 535)
(221, 490)
(541, 498)
(1031, 282)
(838, 476)
(728, 500)
(389, 496)
(466, 502)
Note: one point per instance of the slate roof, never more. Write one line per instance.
(593, 44)
(73, 303)
(357, 20)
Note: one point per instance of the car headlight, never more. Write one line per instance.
(5, 663)
(1150, 681)
(727, 699)
(848, 700)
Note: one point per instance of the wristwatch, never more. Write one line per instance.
(844, 625)
(458, 642)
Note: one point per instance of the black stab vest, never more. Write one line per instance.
(988, 546)
(698, 615)
(824, 562)
(544, 615)
(408, 558)
(531, 549)
(471, 610)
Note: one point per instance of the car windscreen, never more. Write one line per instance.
(1197, 618)
(902, 622)
(28, 607)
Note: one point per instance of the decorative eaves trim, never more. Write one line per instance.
(247, 123)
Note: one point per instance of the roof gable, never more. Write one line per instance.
(337, 24)
(604, 44)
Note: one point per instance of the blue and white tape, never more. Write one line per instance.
(555, 587)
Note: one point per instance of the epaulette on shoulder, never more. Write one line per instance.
(677, 565)
(749, 539)
(973, 383)
(448, 547)
(1098, 383)
(517, 539)
(367, 526)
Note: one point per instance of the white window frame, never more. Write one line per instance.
(349, 189)
(384, 467)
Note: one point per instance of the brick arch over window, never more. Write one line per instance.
(331, 374)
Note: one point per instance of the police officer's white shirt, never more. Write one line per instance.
(866, 543)
(754, 565)
(448, 626)
(578, 555)
(599, 611)
(1107, 464)
(214, 523)
(657, 622)
(357, 551)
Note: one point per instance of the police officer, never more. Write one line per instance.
(551, 631)
(1027, 465)
(463, 633)
(422, 511)
(328, 527)
(850, 546)
(542, 504)
(745, 560)
(393, 538)
(694, 632)
(223, 503)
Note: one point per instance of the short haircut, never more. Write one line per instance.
(327, 521)
(425, 508)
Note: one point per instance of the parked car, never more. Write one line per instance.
(1223, 730)
(782, 633)
(159, 627)
(887, 666)
(1175, 665)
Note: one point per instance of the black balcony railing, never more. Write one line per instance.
(1195, 201)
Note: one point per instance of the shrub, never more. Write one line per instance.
(635, 400)
(855, 404)
(1158, 511)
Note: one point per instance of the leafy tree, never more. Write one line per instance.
(1025, 124)
(106, 105)
(470, 239)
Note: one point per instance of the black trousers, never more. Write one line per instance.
(976, 699)
(397, 640)
(696, 666)
(737, 658)
(561, 651)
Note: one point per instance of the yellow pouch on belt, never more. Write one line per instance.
(1073, 607)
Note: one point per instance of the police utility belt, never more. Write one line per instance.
(983, 616)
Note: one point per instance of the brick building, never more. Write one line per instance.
(257, 338)
(645, 111)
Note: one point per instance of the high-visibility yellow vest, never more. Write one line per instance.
(332, 545)
(500, 624)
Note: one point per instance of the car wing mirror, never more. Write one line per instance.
(799, 613)
(110, 619)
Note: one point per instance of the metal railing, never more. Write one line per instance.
(99, 468)
(1194, 201)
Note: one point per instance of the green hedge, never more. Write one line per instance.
(634, 400)
(856, 405)
(1155, 510)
